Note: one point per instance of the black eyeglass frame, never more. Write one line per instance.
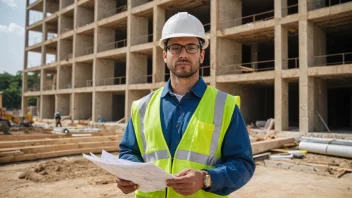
(183, 46)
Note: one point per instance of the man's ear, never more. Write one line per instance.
(164, 56)
(201, 57)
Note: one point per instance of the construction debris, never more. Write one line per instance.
(302, 160)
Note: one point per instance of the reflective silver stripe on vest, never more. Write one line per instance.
(157, 155)
(197, 157)
(218, 115)
(142, 108)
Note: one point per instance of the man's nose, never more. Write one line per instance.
(183, 53)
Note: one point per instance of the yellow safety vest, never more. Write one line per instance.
(200, 146)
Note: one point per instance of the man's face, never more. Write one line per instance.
(183, 65)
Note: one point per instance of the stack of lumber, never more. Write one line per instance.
(32, 147)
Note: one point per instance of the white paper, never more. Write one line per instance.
(148, 176)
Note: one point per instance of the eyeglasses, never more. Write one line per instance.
(177, 48)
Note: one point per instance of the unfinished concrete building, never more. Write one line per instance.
(288, 59)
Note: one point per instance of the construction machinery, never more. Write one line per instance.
(21, 120)
(7, 118)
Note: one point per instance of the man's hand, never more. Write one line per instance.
(126, 186)
(187, 182)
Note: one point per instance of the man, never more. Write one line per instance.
(188, 128)
(57, 118)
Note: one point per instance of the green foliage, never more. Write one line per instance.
(11, 88)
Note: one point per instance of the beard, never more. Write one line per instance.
(184, 71)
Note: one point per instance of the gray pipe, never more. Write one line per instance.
(327, 141)
(327, 149)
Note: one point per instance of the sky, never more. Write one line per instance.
(12, 25)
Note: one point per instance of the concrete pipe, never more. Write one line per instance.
(327, 141)
(327, 149)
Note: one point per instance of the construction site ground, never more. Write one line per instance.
(73, 176)
(76, 177)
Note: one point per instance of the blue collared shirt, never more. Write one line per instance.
(237, 165)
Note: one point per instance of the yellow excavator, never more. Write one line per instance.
(7, 118)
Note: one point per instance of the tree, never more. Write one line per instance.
(11, 86)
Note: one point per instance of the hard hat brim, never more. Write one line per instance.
(161, 41)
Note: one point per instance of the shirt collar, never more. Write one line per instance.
(198, 89)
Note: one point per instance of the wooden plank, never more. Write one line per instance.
(37, 142)
(57, 147)
(263, 146)
(44, 136)
(279, 150)
(56, 154)
(261, 156)
(10, 153)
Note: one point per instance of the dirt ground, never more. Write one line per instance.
(76, 177)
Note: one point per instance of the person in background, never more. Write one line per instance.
(57, 118)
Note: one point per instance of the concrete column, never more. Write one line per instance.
(59, 83)
(44, 9)
(129, 98)
(56, 103)
(158, 61)
(214, 19)
(281, 86)
(44, 33)
(230, 13)
(74, 40)
(42, 79)
(38, 107)
(280, 7)
(95, 51)
(41, 107)
(281, 48)
(319, 47)
(94, 106)
(24, 105)
(25, 61)
(320, 104)
(73, 105)
(281, 103)
(350, 107)
(306, 83)
(302, 7)
(254, 55)
(1, 99)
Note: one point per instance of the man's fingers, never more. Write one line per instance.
(123, 182)
(183, 172)
(181, 186)
(128, 189)
(126, 186)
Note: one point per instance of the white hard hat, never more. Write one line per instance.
(183, 24)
